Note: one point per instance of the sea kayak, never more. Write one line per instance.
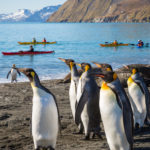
(28, 43)
(27, 53)
(113, 45)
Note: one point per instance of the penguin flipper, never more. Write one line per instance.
(8, 74)
(18, 72)
(80, 106)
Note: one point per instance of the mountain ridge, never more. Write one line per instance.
(26, 15)
(103, 11)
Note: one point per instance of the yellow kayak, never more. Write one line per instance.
(113, 45)
(28, 43)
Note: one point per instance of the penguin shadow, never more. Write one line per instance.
(141, 148)
(145, 131)
(5, 116)
(144, 140)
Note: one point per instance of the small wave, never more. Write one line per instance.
(25, 79)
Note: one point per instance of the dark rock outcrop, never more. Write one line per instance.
(123, 74)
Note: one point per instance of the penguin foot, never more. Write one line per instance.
(93, 136)
(147, 123)
(98, 134)
(38, 148)
(80, 132)
(44, 148)
(87, 137)
(139, 130)
(50, 148)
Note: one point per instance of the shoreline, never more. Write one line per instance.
(15, 120)
(19, 82)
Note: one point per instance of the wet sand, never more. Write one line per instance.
(15, 120)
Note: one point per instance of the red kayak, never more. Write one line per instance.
(27, 53)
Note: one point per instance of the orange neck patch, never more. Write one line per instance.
(130, 81)
(104, 86)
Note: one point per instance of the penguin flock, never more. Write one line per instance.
(92, 106)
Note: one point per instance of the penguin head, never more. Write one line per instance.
(104, 67)
(107, 76)
(132, 70)
(85, 66)
(32, 76)
(13, 66)
(135, 70)
(69, 62)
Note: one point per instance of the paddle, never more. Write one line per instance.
(132, 44)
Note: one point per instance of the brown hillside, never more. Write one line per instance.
(103, 11)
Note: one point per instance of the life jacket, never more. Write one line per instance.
(44, 41)
(115, 42)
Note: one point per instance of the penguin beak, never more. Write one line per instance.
(23, 70)
(126, 67)
(78, 64)
(97, 64)
(64, 60)
(98, 75)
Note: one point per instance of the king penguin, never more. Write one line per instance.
(13, 73)
(87, 110)
(139, 97)
(74, 83)
(45, 114)
(73, 88)
(116, 113)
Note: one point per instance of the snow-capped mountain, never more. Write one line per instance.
(25, 15)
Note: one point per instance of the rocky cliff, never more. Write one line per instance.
(103, 11)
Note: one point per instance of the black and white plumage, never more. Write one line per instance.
(45, 114)
(87, 110)
(74, 83)
(13, 72)
(116, 113)
(140, 98)
(73, 87)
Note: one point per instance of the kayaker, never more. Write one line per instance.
(44, 40)
(115, 42)
(31, 49)
(34, 40)
(140, 43)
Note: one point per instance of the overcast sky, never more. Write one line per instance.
(7, 6)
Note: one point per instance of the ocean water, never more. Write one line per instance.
(78, 41)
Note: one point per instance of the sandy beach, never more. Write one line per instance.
(15, 120)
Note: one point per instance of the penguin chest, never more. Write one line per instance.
(44, 116)
(112, 117)
(79, 90)
(109, 108)
(72, 97)
(13, 74)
